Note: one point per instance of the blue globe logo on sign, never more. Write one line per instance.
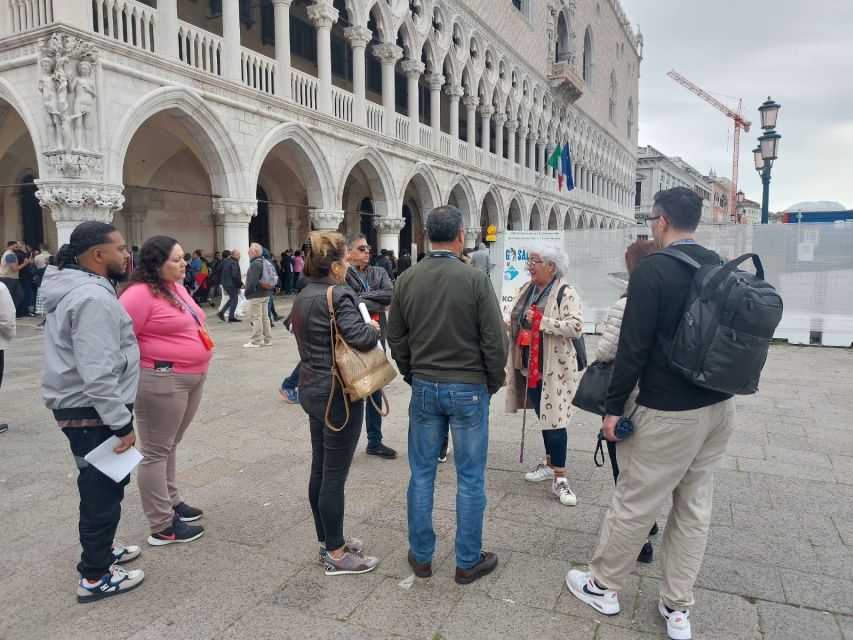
(510, 273)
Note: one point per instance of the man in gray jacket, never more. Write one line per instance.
(257, 297)
(90, 375)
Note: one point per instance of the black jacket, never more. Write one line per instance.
(377, 295)
(310, 321)
(230, 275)
(657, 293)
(253, 280)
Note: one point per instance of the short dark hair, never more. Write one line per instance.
(444, 223)
(10, 243)
(85, 236)
(681, 207)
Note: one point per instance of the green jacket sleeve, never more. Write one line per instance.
(398, 337)
(493, 341)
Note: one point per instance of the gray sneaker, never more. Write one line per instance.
(355, 546)
(349, 563)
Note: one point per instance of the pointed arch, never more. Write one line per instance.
(427, 185)
(201, 122)
(493, 206)
(462, 190)
(11, 95)
(379, 177)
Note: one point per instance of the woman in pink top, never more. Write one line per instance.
(175, 351)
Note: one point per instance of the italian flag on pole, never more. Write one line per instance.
(554, 161)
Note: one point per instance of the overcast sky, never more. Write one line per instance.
(800, 53)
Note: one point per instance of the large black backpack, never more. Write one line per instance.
(728, 322)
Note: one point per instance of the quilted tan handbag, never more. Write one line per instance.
(360, 373)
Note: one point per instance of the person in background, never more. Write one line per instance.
(298, 263)
(27, 279)
(385, 263)
(175, 352)
(331, 449)
(403, 263)
(7, 333)
(480, 258)
(10, 275)
(40, 261)
(286, 267)
(231, 282)
(89, 381)
(557, 368)
(271, 312)
(258, 300)
(606, 352)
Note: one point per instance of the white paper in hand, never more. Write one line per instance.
(112, 464)
(366, 317)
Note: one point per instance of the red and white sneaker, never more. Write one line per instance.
(677, 622)
(582, 586)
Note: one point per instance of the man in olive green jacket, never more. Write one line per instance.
(446, 336)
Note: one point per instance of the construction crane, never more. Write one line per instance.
(740, 123)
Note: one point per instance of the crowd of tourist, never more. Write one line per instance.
(127, 350)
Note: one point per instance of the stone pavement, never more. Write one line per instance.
(779, 562)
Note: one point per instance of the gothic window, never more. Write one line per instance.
(587, 56)
(303, 39)
(563, 49)
(612, 103)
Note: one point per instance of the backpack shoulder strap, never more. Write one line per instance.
(678, 255)
(560, 295)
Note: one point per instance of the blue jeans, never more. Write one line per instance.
(374, 421)
(464, 408)
(292, 381)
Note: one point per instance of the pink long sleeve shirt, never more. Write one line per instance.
(166, 333)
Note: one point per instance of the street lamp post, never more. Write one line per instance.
(739, 208)
(766, 152)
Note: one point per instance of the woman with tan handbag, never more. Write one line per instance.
(335, 419)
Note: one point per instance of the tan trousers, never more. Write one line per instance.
(261, 329)
(165, 405)
(670, 453)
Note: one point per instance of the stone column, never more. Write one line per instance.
(231, 39)
(282, 46)
(540, 148)
(486, 112)
(455, 91)
(413, 70)
(500, 120)
(531, 151)
(388, 54)
(323, 16)
(472, 236)
(388, 233)
(511, 128)
(234, 215)
(167, 28)
(435, 81)
(358, 38)
(549, 150)
(471, 104)
(293, 239)
(73, 202)
(327, 219)
(522, 146)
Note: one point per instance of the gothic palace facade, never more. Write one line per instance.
(221, 121)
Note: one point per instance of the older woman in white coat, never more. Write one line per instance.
(551, 399)
(7, 332)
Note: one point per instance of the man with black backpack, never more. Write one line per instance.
(681, 430)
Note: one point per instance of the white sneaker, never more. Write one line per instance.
(116, 581)
(122, 554)
(583, 587)
(561, 489)
(677, 622)
(251, 345)
(540, 473)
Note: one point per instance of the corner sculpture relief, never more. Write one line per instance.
(68, 93)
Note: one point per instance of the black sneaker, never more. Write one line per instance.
(647, 553)
(187, 513)
(221, 316)
(3, 427)
(382, 451)
(654, 530)
(178, 532)
(442, 454)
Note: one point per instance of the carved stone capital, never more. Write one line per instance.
(522, 132)
(322, 16)
(75, 202)
(286, 3)
(294, 223)
(455, 91)
(327, 219)
(471, 102)
(413, 68)
(68, 164)
(387, 53)
(435, 81)
(486, 111)
(541, 142)
(512, 125)
(358, 36)
(233, 211)
(500, 119)
(471, 234)
(388, 226)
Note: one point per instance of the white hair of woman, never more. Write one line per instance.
(553, 254)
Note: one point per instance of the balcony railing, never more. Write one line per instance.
(462, 153)
(342, 103)
(444, 145)
(199, 48)
(425, 136)
(258, 71)
(127, 21)
(24, 15)
(303, 89)
(402, 129)
(375, 117)
(478, 157)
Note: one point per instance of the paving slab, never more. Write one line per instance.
(782, 622)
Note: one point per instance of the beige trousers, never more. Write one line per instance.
(166, 403)
(261, 329)
(670, 453)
